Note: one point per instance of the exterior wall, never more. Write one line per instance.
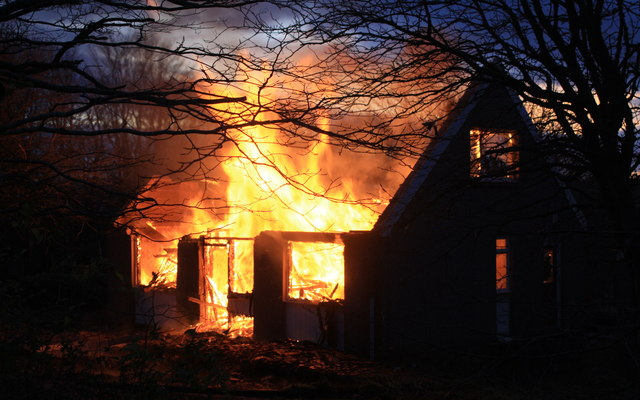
(158, 309)
(363, 293)
(277, 318)
(119, 310)
(435, 272)
(269, 308)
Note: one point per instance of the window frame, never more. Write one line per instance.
(483, 150)
(289, 266)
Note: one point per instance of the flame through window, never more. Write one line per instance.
(316, 271)
(491, 154)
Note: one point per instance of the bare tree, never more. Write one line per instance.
(575, 64)
(86, 88)
(42, 37)
(94, 92)
(91, 82)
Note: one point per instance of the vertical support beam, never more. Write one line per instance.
(120, 304)
(269, 307)
(361, 305)
(134, 272)
(190, 258)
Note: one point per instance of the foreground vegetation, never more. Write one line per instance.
(58, 351)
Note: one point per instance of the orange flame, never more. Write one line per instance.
(316, 272)
(274, 183)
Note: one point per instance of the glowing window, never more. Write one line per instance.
(503, 281)
(492, 156)
(241, 266)
(316, 271)
(156, 262)
(549, 265)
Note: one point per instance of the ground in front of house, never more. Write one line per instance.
(143, 363)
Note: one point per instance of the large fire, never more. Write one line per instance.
(272, 183)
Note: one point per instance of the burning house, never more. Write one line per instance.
(193, 244)
(480, 243)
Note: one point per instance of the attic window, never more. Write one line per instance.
(491, 155)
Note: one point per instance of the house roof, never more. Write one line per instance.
(450, 128)
(428, 160)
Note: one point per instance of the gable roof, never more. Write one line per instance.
(450, 128)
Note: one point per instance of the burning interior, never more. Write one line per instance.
(194, 260)
(194, 263)
(208, 281)
(195, 251)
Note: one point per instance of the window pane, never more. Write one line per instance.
(490, 154)
(501, 244)
(501, 271)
